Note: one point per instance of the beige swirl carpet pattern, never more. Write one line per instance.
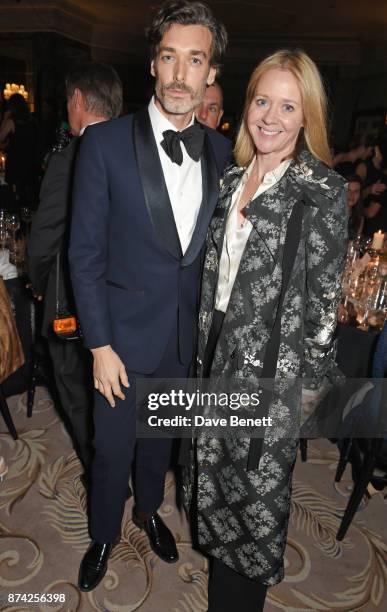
(43, 534)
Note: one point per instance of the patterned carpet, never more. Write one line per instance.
(43, 534)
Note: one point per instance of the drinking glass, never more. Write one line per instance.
(13, 222)
(25, 214)
(362, 318)
(16, 252)
(4, 236)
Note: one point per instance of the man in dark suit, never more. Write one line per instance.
(145, 190)
(94, 94)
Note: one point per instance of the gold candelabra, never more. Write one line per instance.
(13, 88)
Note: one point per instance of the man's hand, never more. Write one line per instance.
(37, 296)
(109, 372)
(378, 188)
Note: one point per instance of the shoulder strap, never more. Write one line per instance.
(57, 299)
(292, 240)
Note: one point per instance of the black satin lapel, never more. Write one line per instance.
(210, 192)
(153, 184)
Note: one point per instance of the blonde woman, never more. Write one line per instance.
(270, 292)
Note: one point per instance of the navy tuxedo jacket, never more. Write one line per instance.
(130, 280)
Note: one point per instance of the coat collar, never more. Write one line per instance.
(317, 182)
(306, 179)
(312, 175)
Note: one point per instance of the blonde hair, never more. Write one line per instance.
(314, 102)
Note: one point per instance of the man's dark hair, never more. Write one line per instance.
(354, 178)
(100, 85)
(185, 12)
(18, 107)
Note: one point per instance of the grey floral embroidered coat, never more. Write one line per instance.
(243, 515)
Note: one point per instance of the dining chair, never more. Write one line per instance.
(368, 456)
(5, 413)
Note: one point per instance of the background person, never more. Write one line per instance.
(210, 111)
(373, 174)
(346, 162)
(354, 206)
(94, 94)
(19, 137)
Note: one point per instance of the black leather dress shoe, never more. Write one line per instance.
(94, 565)
(161, 539)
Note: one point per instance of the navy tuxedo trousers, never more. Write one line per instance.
(116, 451)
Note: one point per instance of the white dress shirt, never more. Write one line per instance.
(235, 237)
(82, 130)
(7, 270)
(184, 183)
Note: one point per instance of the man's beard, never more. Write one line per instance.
(177, 106)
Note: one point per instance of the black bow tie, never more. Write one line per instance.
(193, 139)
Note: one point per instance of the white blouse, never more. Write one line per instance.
(235, 238)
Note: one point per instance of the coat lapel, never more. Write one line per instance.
(269, 214)
(153, 184)
(210, 191)
(218, 223)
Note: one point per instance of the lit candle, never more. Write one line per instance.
(378, 240)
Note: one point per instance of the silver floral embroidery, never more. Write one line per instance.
(232, 486)
(226, 525)
(258, 519)
(306, 174)
(248, 358)
(253, 561)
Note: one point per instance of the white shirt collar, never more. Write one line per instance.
(81, 131)
(159, 121)
(271, 177)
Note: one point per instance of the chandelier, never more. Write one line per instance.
(12, 88)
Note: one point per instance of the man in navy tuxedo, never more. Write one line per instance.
(146, 186)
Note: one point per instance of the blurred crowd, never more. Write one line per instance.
(364, 166)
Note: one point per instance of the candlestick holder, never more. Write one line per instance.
(372, 252)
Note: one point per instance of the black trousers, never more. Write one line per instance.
(117, 450)
(72, 367)
(228, 591)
